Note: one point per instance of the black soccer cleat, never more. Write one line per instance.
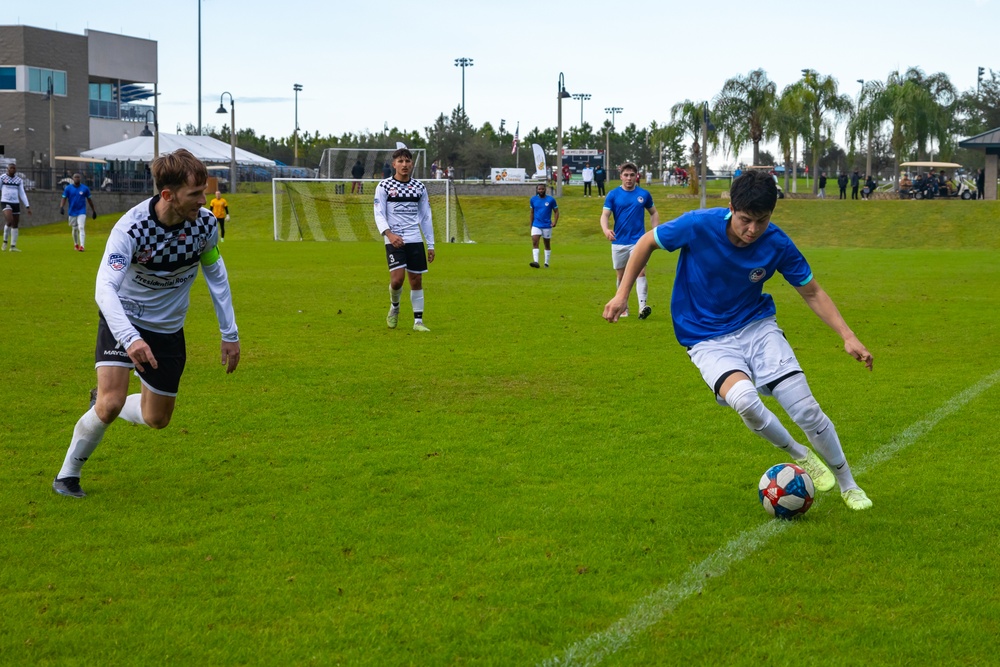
(645, 312)
(533, 265)
(68, 486)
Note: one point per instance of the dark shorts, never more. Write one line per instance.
(14, 208)
(410, 257)
(169, 350)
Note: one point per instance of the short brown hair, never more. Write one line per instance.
(401, 152)
(173, 170)
(627, 166)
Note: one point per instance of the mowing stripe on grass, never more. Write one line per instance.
(651, 609)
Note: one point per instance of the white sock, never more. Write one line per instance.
(87, 436)
(534, 255)
(743, 398)
(417, 299)
(132, 412)
(641, 291)
(13, 237)
(83, 234)
(6, 233)
(394, 297)
(548, 256)
(797, 400)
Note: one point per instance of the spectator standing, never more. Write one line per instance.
(855, 180)
(588, 179)
(980, 184)
(599, 177)
(842, 184)
(822, 185)
(566, 174)
(358, 172)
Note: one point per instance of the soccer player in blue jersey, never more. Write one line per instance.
(728, 326)
(628, 204)
(542, 224)
(78, 196)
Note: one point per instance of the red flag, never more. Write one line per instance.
(513, 148)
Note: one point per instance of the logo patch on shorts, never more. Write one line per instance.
(117, 261)
(757, 275)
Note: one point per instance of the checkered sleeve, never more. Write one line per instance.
(381, 207)
(424, 218)
(114, 265)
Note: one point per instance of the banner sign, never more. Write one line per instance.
(507, 175)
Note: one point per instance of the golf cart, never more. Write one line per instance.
(924, 188)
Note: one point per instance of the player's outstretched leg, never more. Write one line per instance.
(743, 398)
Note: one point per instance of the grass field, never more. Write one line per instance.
(525, 484)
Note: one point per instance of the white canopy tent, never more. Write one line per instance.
(206, 149)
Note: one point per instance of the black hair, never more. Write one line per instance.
(401, 152)
(754, 192)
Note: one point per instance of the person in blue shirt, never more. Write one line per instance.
(727, 323)
(628, 204)
(542, 224)
(78, 196)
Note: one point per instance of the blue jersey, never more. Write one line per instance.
(77, 198)
(719, 287)
(541, 208)
(629, 211)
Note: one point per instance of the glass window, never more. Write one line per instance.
(59, 81)
(8, 78)
(35, 80)
(38, 80)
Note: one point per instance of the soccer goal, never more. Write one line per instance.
(341, 162)
(317, 209)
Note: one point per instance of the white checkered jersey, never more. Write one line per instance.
(149, 269)
(12, 190)
(404, 209)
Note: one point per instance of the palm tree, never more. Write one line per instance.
(904, 103)
(788, 123)
(821, 100)
(934, 120)
(869, 116)
(744, 110)
(688, 116)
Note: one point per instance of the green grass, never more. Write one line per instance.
(514, 481)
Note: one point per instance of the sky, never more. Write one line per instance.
(366, 64)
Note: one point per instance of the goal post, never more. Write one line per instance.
(340, 162)
(337, 209)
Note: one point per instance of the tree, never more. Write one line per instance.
(688, 116)
(744, 109)
(788, 123)
(821, 101)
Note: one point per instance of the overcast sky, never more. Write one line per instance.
(364, 64)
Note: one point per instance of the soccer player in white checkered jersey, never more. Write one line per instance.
(143, 292)
(12, 195)
(727, 323)
(402, 215)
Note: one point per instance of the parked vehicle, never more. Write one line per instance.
(964, 187)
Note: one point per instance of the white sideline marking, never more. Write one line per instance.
(651, 609)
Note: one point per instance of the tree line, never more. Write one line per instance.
(909, 115)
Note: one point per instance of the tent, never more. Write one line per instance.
(206, 149)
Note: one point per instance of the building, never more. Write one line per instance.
(103, 89)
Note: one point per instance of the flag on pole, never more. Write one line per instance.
(513, 148)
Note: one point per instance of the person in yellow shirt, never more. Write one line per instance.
(220, 209)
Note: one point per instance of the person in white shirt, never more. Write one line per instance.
(143, 292)
(11, 197)
(588, 179)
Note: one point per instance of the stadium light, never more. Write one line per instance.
(561, 94)
(233, 177)
(297, 87)
(463, 63)
(607, 138)
(582, 97)
(155, 134)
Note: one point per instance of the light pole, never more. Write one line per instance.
(52, 129)
(582, 97)
(463, 63)
(561, 94)
(607, 139)
(199, 66)
(297, 87)
(155, 134)
(233, 176)
(868, 160)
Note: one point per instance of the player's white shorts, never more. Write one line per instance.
(78, 221)
(759, 349)
(620, 255)
(545, 233)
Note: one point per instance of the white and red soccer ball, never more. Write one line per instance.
(786, 491)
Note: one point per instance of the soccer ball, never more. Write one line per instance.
(786, 491)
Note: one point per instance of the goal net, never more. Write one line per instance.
(338, 210)
(341, 162)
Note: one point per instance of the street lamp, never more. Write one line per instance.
(155, 134)
(463, 63)
(233, 177)
(561, 94)
(868, 160)
(607, 138)
(706, 126)
(582, 97)
(297, 87)
(50, 95)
